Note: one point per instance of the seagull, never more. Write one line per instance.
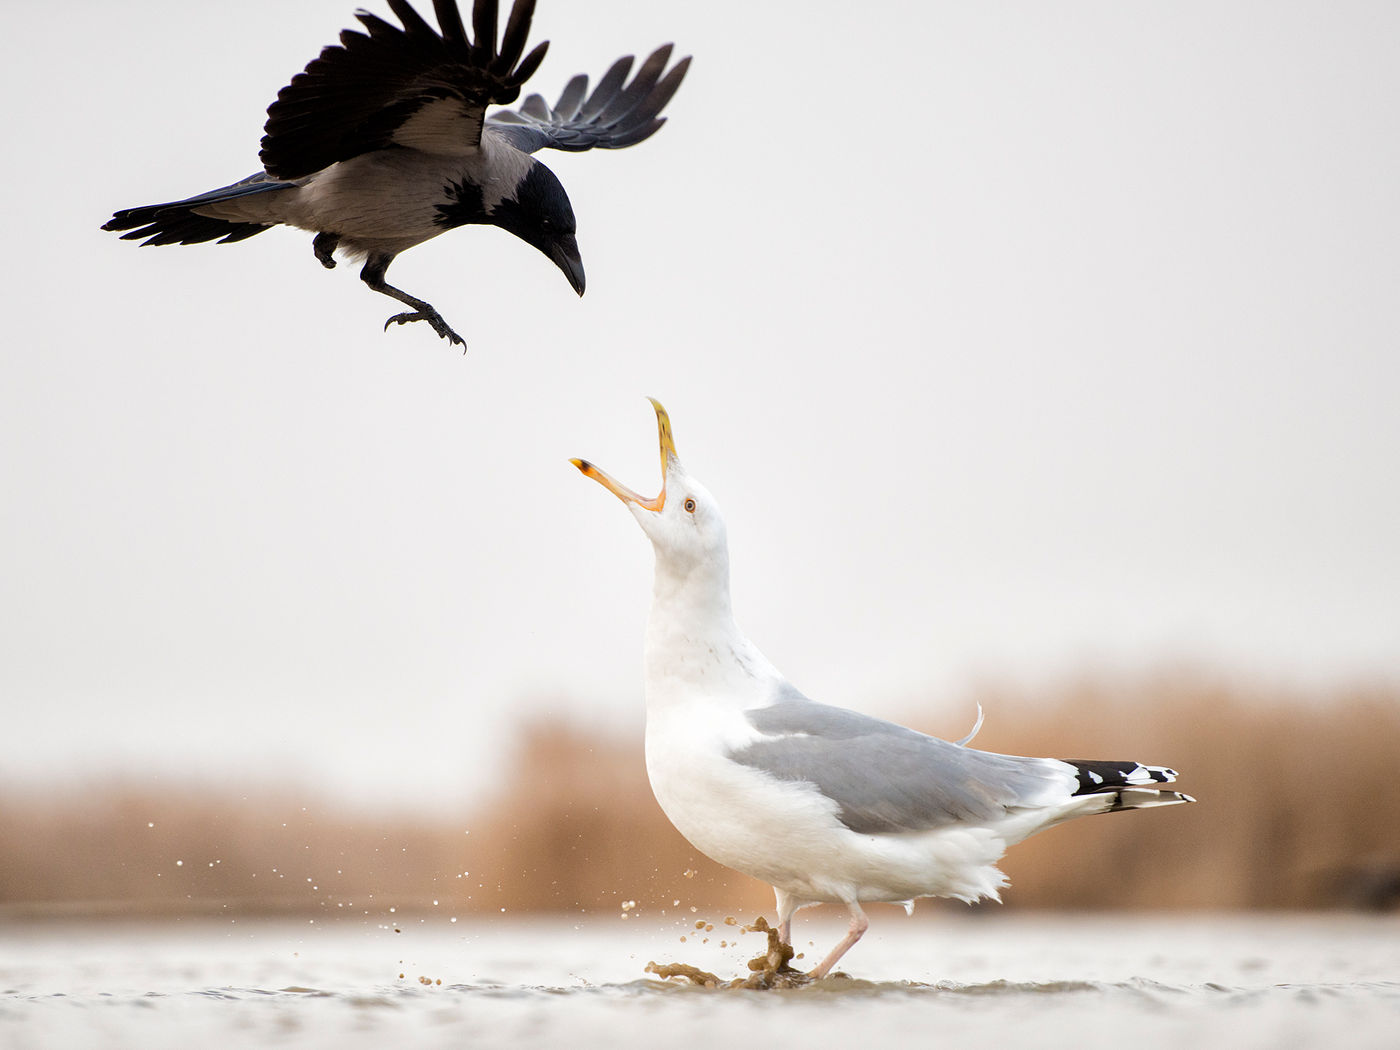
(383, 142)
(824, 804)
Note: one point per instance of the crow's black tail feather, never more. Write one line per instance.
(178, 223)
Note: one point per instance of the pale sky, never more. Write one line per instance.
(1017, 340)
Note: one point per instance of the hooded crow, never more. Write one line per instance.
(383, 142)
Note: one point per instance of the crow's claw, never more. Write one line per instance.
(433, 318)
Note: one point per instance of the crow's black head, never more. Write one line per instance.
(539, 213)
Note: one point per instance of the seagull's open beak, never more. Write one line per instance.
(668, 457)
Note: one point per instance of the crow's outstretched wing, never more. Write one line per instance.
(616, 114)
(411, 87)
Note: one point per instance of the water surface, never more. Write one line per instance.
(992, 980)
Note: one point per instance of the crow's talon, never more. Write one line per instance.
(435, 319)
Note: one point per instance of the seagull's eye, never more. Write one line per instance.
(690, 506)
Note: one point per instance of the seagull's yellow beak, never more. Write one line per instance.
(668, 456)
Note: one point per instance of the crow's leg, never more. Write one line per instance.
(373, 275)
(324, 246)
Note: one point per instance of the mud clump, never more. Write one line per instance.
(685, 971)
(771, 969)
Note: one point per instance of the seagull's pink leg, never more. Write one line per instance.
(786, 905)
(859, 924)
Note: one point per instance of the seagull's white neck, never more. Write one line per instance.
(693, 593)
(694, 649)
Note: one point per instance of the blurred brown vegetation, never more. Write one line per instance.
(1299, 808)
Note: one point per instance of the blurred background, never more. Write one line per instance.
(1041, 356)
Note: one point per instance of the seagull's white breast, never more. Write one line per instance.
(730, 812)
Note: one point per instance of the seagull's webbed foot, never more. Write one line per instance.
(373, 275)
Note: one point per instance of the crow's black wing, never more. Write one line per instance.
(411, 87)
(616, 114)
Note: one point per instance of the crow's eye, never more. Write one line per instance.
(690, 506)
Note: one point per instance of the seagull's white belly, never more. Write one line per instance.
(788, 834)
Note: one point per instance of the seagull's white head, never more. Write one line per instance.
(683, 521)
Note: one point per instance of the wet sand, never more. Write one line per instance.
(999, 980)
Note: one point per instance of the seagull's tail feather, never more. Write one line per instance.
(1145, 798)
(1110, 786)
(1097, 777)
(1136, 798)
(1104, 787)
(178, 222)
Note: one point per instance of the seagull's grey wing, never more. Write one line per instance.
(388, 86)
(615, 115)
(886, 778)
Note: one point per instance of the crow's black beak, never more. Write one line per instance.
(564, 252)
